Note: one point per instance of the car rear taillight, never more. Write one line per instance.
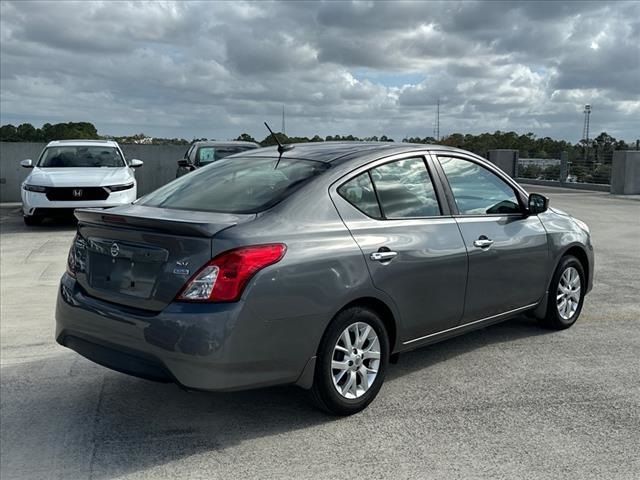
(223, 279)
(71, 259)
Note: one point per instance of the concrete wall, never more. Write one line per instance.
(625, 172)
(11, 173)
(160, 164)
(506, 160)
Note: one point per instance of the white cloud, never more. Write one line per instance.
(217, 69)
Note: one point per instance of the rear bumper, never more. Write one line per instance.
(198, 346)
(118, 358)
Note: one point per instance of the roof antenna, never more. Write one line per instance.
(281, 148)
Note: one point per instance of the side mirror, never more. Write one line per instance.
(183, 162)
(135, 163)
(28, 163)
(537, 204)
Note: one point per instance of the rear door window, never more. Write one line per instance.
(359, 192)
(400, 189)
(405, 189)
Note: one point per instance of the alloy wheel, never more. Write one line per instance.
(355, 360)
(568, 293)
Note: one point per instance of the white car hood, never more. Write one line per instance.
(79, 177)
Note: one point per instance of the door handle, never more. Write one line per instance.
(483, 242)
(383, 256)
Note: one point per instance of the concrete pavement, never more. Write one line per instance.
(510, 401)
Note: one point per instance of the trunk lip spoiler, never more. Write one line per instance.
(161, 221)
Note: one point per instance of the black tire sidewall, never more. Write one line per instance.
(553, 316)
(323, 387)
(32, 220)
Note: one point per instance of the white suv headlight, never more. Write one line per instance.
(34, 188)
(119, 188)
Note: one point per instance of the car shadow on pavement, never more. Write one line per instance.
(520, 327)
(105, 424)
(11, 222)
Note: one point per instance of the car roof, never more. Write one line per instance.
(81, 142)
(229, 143)
(333, 152)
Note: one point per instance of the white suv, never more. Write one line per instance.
(77, 173)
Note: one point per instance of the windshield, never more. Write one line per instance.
(80, 156)
(206, 155)
(241, 185)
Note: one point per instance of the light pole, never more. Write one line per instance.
(585, 131)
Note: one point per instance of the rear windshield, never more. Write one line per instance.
(238, 185)
(80, 156)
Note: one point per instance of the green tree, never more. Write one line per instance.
(269, 140)
(9, 133)
(245, 137)
(27, 133)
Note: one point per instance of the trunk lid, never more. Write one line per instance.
(141, 256)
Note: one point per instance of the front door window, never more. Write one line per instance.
(477, 190)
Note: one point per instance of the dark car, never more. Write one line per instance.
(203, 153)
(315, 267)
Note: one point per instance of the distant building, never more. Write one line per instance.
(539, 162)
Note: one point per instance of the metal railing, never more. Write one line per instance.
(591, 167)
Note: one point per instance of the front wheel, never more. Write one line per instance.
(352, 361)
(32, 220)
(566, 294)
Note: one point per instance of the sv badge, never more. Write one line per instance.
(181, 268)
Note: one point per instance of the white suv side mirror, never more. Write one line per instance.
(135, 163)
(28, 163)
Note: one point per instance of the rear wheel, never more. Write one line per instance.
(352, 361)
(566, 294)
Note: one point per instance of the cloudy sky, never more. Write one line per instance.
(218, 69)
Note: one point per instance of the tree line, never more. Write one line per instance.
(597, 151)
(59, 131)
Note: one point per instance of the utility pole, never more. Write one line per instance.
(437, 127)
(585, 131)
(283, 131)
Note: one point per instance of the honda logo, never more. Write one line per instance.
(77, 192)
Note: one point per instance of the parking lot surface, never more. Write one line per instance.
(510, 401)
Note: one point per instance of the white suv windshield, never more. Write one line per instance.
(80, 156)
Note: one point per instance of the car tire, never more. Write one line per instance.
(566, 294)
(32, 220)
(352, 387)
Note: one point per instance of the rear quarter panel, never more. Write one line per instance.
(288, 306)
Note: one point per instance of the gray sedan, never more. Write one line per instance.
(316, 266)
